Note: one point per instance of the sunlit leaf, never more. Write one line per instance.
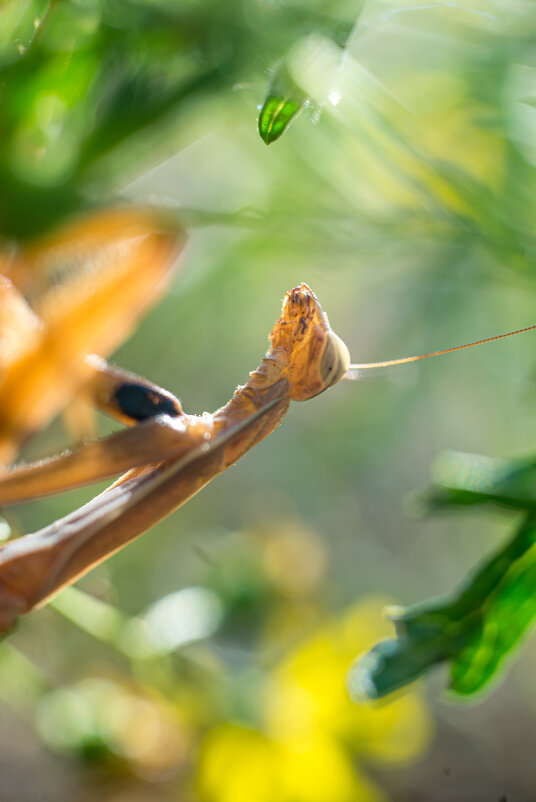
(283, 100)
(276, 114)
(474, 630)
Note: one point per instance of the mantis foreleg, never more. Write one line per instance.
(305, 358)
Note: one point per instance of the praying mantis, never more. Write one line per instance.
(166, 456)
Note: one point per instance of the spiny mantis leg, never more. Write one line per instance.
(162, 434)
(154, 440)
(36, 566)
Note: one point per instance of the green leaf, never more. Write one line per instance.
(283, 101)
(474, 630)
(275, 116)
(509, 613)
(470, 479)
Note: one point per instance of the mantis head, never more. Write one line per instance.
(317, 358)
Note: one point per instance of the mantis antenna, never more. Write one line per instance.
(355, 368)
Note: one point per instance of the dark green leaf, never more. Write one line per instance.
(474, 629)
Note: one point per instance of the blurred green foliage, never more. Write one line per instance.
(81, 79)
(405, 194)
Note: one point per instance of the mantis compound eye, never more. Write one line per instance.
(335, 360)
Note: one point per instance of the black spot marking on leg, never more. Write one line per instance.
(140, 403)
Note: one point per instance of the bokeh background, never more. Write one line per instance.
(207, 661)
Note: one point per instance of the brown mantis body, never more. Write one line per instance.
(174, 456)
(167, 456)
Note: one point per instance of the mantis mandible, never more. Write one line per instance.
(167, 456)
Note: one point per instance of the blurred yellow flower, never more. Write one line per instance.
(311, 730)
(238, 763)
